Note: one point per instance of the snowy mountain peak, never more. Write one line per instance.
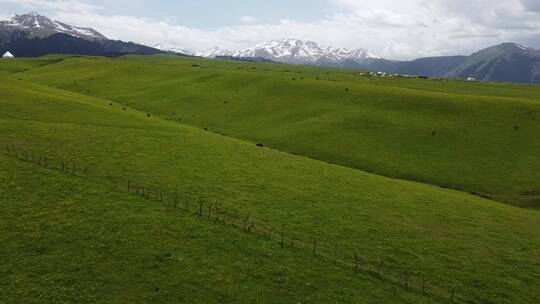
(177, 50)
(294, 51)
(41, 26)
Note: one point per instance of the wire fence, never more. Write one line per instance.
(344, 256)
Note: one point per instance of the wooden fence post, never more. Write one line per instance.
(315, 247)
(282, 236)
(245, 221)
(406, 281)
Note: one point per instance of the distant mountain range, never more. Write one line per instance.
(505, 62)
(32, 35)
(294, 51)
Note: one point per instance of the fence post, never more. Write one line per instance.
(335, 253)
(406, 281)
(186, 200)
(62, 166)
(452, 293)
(355, 262)
(245, 221)
(200, 208)
(315, 247)
(282, 236)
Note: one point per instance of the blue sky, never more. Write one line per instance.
(392, 29)
(205, 14)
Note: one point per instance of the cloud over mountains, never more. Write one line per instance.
(401, 30)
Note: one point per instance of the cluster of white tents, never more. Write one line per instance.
(8, 55)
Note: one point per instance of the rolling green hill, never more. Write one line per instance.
(479, 138)
(72, 240)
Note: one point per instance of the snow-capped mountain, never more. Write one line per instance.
(172, 49)
(294, 51)
(218, 52)
(32, 35)
(41, 26)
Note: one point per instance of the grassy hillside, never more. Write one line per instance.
(66, 240)
(480, 138)
(488, 249)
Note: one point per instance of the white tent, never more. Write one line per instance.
(8, 55)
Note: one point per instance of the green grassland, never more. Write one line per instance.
(66, 240)
(479, 138)
(70, 240)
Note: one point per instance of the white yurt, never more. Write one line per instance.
(8, 55)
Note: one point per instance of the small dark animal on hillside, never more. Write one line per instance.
(433, 133)
(110, 104)
(148, 115)
(260, 145)
(206, 129)
(516, 127)
(347, 89)
(124, 108)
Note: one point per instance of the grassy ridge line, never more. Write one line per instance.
(380, 270)
(71, 240)
(429, 229)
(379, 125)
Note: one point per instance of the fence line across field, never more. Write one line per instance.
(226, 215)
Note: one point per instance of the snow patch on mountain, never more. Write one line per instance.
(177, 50)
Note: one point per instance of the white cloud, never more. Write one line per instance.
(4, 16)
(56, 5)
(249, 19)
(393, 29)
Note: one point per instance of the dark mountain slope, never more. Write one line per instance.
(504, 62)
